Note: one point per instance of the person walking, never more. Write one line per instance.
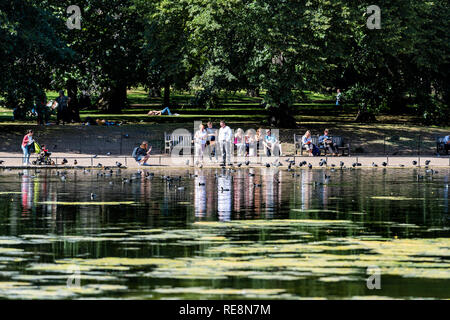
(200, 138)
(62, 109)
(225, 136)
(338, 97)
(26, 144)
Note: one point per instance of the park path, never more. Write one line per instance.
(14, 160)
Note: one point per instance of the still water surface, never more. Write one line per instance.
(213, 234)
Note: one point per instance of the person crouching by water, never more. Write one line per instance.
(26, 144)
(142, 153)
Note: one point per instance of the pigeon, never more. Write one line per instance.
(251, 174)
(108, 153)
(384, 164)
(322, 162)
(310, 166)
(374, 165)
(75, 162)
(94, 156)
(202, 184)
(64, 161)
(93, 196)
(99, 165)
(341, 164)
(414, 163)
(427, 162)
(354, 164)
(267, 165)
(118, 164)
(2, 161)
(247, 163)
(239, 165)
(224, 189)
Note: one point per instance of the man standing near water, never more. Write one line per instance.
(225, 136)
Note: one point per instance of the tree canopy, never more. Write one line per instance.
(277, 47)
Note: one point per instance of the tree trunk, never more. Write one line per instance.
(166, 102)
(282, 117)
(114, 99)
(365, 116)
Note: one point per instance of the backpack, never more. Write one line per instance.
(316, 151)
(134, 154)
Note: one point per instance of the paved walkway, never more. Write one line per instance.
(14, 161)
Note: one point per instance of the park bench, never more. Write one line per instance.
(182, 140)
(441, 146)
(342, 147)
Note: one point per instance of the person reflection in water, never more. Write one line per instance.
(224, 202)
(200, 194)
(27, 192)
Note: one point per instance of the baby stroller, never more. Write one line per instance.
(43, 155)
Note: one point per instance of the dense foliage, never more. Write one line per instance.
(277, 47)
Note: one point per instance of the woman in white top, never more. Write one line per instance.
(239, 141)
(200, 142)
(307, 142)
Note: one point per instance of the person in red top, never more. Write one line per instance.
(26, 142)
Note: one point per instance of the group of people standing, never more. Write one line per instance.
(212, 142)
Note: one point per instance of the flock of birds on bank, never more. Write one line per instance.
(174, 183)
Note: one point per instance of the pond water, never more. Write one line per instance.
(211, 234)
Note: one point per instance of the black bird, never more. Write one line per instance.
(374, 164)
(427, 162)
(224, 189)
(384, 164)
(359, 164)
(354, 164)
(414, 163)
(99, 165)
(202, 184)
(239, 165)
(251, 174)
(247, 163)
(267, 165)
(75, 162)
(94, 156)
(322, 162)
(108, 153)
(258, 185)
(341, 164)
(2, 161)
(310, 166)
(64, 161)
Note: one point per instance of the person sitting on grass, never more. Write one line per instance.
(307, 143)
(160, 113)
(327, 143)
(142, 153)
